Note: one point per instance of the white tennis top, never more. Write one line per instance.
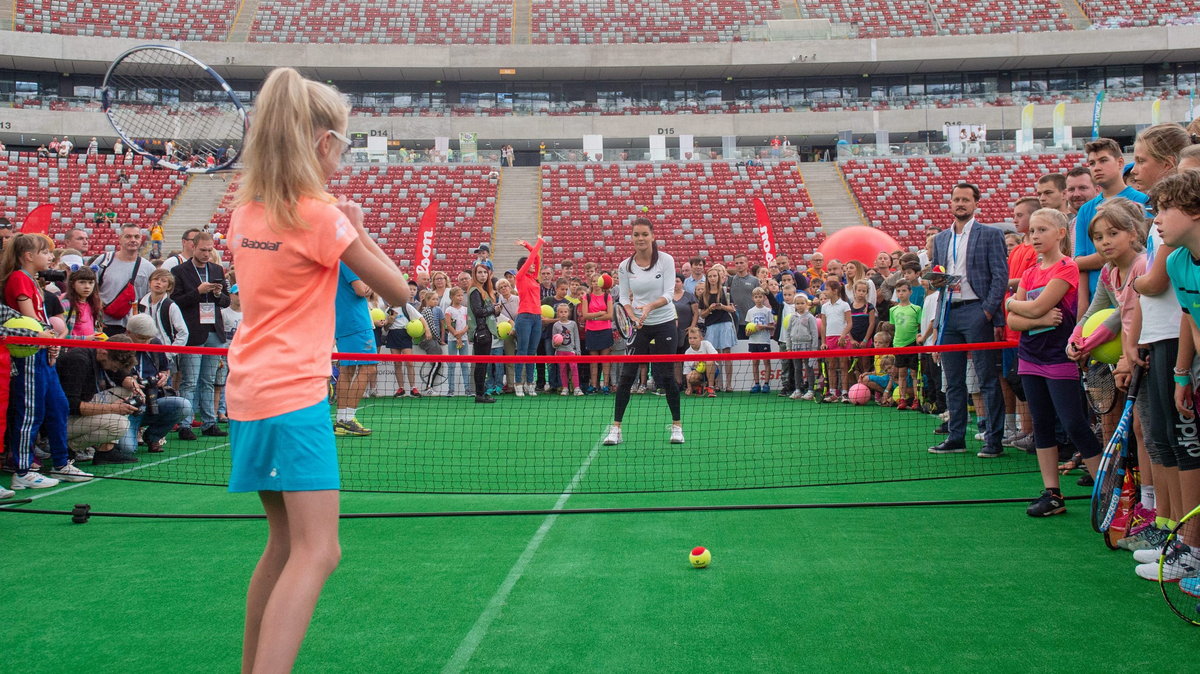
(643, 286)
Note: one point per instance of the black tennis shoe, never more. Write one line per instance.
(1046, 505)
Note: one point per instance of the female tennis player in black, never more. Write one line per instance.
(647, 285)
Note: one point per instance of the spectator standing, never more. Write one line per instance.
(741, 291)
(201, 293)
(976, 254)
(1107, 164)
(124, 277)
(188, 246)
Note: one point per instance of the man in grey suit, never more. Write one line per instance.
(976, 253)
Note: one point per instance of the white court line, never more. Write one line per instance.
(479, 630)
(76, 485)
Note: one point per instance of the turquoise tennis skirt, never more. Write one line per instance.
(290, 452)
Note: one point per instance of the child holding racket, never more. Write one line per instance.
(835, 334)
(286, 225)
(1046, 298)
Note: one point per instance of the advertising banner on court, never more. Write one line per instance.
(1097, 109)
(1060, 124)
(1156, 112)
(766, 234)
(424, 244)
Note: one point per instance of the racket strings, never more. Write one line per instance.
(145, 89)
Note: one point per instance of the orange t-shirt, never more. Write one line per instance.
(1020, 260)
(279, 359)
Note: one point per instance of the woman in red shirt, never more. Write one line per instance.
(529, 314)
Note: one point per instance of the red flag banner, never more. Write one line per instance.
(765, 234)
(424, 245)
(38, 220)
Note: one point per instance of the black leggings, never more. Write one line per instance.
(664, 336)
(483, 347)
(1052, 400)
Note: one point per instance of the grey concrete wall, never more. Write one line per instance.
(752, 128)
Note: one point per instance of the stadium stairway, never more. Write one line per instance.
(522, 24)
(240, 30)
(194, 207)
(790, 10)
(1075, 14)
(835, 206)
(516, 213)
(6, 15)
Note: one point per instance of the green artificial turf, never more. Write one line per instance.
(932, 588)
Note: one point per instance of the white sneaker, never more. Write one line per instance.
(565, 392)
(1181, 562)
(85, 454)
(980, 436)
(69, 473)
(6, 493)
(796, 395)
(519, 390)
(32, 480)
(641, 388)
(808, 395)
(578, 391)
(546, 388)
(1147, 556)
(614, 435)
(531, 389)
(676, 435)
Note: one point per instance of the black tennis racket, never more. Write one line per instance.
(1115, 462)
(1182, 594)
(626, 327)
(143, 93)
(1100, 386)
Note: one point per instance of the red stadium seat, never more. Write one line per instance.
(908, 197)
(1106, 14)
(698, 208)
(394, 197)
(142, 19)
(384, 21)
(82, 185)
(647, 21)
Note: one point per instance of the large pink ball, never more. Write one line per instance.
(859, 394)
(857, 243)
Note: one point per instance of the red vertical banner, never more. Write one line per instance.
(766, 235)
(38, 220)
(424, 244)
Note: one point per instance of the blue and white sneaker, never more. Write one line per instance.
(1190, 586)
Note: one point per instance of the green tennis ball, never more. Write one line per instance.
(787, 321)
(23, 350)
(415, 329)
(504, 329)
(378, 314)
(700, 368)
(751, 328)
(1110, 351)
(547, 311)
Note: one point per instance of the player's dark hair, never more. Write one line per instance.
(1104, 145)
(645, 222)
(967, 186)
(1059, 180)
(1079, 171)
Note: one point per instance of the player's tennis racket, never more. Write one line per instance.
(626, 328)
(1182, 594)
(433, 375)
(141, 95)
(1114, 462)
(1100, 386)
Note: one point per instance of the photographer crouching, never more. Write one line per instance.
(162, 410)
(101, 393)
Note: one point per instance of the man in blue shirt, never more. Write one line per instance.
(1107, 164)
(354, 333)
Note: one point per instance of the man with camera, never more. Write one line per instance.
(161, 410)
(201, 293)
(102, 392)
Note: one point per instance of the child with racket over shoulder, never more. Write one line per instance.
(286, 225)
(835, 334)
(760, 339)
(1043, 310)
(564, 334)
(433, 317)
(701, 374)
(803, 335)
(1177, 199)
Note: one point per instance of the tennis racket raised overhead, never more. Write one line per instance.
(626, 328)
(1114, 462)
(1180, 588)
(143, 94)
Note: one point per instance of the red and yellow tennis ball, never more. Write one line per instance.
(604, 281)
(700, 557)
(1110, 351)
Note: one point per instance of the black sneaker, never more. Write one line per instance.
(484, 399)
(1086, 480)
(214, 431)
(186, 433)
(990, 452)
(1046, 505)
(944, 429)
(113, 456)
